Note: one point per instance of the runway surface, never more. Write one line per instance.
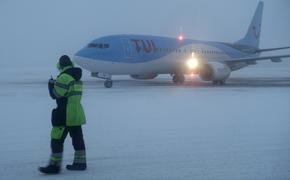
(155, 129)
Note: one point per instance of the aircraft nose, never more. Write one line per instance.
(83, 61)
(77, 60)
(86, 58)
(79, 57)
(82, 54)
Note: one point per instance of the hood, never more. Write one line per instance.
(75, 72)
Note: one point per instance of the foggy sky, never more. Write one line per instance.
(37, 32)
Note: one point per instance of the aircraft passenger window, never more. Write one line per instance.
(106, 45)
(100, 46)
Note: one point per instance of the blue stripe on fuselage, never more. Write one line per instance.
(140, 49)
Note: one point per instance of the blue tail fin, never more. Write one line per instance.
(252, 37)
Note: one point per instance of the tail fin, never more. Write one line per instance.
(252, 37)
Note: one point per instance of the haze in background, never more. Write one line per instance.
(34, 33)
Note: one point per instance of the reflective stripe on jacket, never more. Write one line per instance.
(66, 86)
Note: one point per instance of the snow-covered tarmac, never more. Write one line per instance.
(154, 129)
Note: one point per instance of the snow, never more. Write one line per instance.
(154, 129)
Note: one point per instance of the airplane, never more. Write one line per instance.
(145, 56)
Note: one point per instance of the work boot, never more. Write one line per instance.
(50, 169)
(54, 164)
(79, 163)
(77, 167)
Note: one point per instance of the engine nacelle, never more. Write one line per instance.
(144, 76)
(214, 71)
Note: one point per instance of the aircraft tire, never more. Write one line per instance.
(108, 83)
(222, 82)
(178, 79)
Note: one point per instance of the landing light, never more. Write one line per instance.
(192, 63)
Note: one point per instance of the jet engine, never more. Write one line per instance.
(144, 76)
(214, 71)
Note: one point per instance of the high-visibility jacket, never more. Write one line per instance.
(67, 90)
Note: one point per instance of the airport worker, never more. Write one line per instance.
(68, 117)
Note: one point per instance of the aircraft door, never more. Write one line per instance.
(127, 48)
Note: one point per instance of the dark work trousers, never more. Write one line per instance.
(75, 133)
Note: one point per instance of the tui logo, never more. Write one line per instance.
(256, 31)
(148, 46)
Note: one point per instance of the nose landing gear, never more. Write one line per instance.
(108, 79)
(108, 83)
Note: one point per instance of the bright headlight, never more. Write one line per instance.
(192, 63)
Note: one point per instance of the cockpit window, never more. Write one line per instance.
(98, 45)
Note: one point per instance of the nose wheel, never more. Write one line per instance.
(108, 83)
(107, 77)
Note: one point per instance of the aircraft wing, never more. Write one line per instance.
(253, 59)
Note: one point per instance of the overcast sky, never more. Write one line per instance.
(38, 31)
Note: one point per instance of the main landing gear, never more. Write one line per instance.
(221, 82)
(178, 78)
